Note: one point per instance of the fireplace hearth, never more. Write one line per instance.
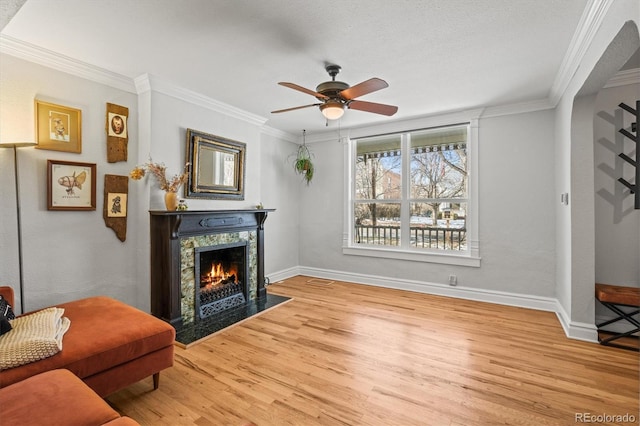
(207, 269)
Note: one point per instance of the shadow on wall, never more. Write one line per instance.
(619, 199)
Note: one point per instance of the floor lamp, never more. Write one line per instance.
(15, 146)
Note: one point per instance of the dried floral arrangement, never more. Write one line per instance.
(159, 171)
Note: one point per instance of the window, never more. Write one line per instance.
(410, 193)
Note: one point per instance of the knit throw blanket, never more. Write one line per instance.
(34, 337)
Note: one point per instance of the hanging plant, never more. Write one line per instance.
(303, 164)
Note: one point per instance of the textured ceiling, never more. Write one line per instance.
(436, 55)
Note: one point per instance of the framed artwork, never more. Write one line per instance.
(58, 128)
(71, 185)
(114, 209)
(116, 204)
(117, 133)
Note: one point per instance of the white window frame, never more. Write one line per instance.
(469, 257)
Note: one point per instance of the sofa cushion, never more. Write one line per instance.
(6, 310)
(6, 314)
(104, 333)
(53, 398)
(5, 325)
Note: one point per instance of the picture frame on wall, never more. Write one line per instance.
(117, 133)
(117, 204)
(217, 167)
(71, 185)
(58, 128)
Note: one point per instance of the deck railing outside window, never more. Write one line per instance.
(421, 236)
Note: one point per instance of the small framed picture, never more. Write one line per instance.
(58, 128)
(117, 125)
(117, 133)
(71, 185)
(116, 204)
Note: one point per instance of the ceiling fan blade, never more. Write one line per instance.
(303, 90)
(373, 107)
(294, 108)
(363, 88)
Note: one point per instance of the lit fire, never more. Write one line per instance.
(219, 275)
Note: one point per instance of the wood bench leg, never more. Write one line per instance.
(156, 381)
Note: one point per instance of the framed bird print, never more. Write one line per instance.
(58, 128)
(71, 185)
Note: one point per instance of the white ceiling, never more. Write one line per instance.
(436, 55)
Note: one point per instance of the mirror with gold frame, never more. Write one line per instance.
(217, 167)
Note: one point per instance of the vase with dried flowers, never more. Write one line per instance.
(169, 186)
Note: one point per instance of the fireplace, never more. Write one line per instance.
(183, 246)
(223, 277)
(207, 270)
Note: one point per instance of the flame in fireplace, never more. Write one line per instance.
(220, 275)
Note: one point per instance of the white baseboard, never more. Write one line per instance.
(283, 275)
(573, 330)
(460, 292)
(498, 297)
(576, 330)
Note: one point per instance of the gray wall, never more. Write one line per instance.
(608, 50)
(517, 224)
(617, 252)
(529, 243)
(69, 255)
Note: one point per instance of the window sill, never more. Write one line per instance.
(415, 256)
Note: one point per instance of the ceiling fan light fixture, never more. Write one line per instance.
(332, 110)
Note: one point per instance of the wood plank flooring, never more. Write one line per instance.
(348, 354)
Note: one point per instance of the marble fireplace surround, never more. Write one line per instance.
(174, 237)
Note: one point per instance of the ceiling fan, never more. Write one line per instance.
(334, 96)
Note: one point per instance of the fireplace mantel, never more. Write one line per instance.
(168, 228)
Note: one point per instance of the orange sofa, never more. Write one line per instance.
(109, 345)
(56, 398)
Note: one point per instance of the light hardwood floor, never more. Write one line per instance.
(348, 354)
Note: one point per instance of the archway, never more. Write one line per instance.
(582, 269)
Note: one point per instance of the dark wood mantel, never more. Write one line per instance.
(166, 230)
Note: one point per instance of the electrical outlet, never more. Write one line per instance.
(453, 280)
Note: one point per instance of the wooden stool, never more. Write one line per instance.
(614, 297)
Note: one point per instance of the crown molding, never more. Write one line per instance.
(148, 82)
(279, 134)
(517, 108)
(410, 123)
(623, 78)
(47, 58)
(141, 84)
(589, 24)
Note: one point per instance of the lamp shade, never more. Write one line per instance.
(7, 144)
(332, 110)
(16, 119)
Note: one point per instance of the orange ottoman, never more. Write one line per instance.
(56, 397)
(109, 345)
